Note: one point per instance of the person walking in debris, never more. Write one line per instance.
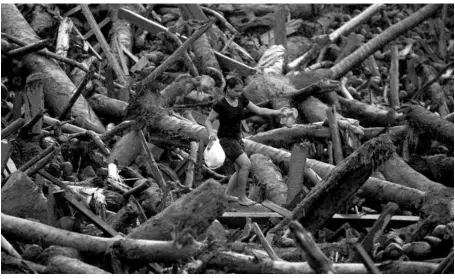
(229, 111)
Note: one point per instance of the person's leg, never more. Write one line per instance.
(244, 165)
(231, 185)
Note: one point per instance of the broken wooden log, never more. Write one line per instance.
(356, 21)
(30, 48)
(281, 137)
(104, 45)
(12, 127)
(33, 232)
(390, 34)
(423, 120)
(239, 263)
(299, 154)
(368, 115)
(126, 149)
(195, 210)
(377, 229)
(315, 258)
(396, 170)
(332, 193)
(57, 87)
(268, 175)
(176, 55)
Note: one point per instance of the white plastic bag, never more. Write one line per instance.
(214, 155)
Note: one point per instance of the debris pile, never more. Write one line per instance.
(103, 138)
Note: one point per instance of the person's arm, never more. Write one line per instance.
(208, 124)
(264, 111)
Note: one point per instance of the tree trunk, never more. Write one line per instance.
(58, 87)
(194, 211)
(374, 189)
(126, 149)
(32, 232)
(282, 137)
(435, 90)
(109, 108)
(423, 120)
(368, 115)
(334, 190)
(205, 56)
(396, 170)
(268, 86)
(267, 174)
(239, 263)
(299, 154)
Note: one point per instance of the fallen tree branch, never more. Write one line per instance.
(147, 250)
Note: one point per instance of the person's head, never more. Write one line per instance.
(234, 87)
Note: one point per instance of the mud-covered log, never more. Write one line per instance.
(396, 170)
(33, 232)
(195, 210)
(331, 194)
(57, 87)
(268, 174)
(423, 120)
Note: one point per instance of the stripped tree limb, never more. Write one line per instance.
(33, 232)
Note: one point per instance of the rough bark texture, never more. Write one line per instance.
(195, 211)
(423, 120)
(299, 155)
(332, 193)
(108, 107)
(397, 171)
(281, 137)
(57, 87)
(32, 232)
(268, 174)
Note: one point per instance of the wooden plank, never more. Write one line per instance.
(278, 209)
(140, 64)
(103, 23)
(356, 221)
(154, 28)
(122, 58)
(130, 55)
(104, 45)
(79, 206)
